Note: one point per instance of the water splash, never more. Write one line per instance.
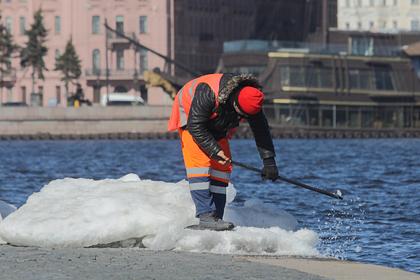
(340, 229)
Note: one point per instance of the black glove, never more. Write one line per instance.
(269, 170)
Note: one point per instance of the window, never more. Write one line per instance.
(9, 22)
(361, 46)
(9, 94)
(23, 94)
(311, 76)
(415, 25)
(383, 24)
(57, 24)
(143, 24)
(371, 3)
(57, 54)
(120, 59)
(359, 25)
(318, 76)
(416, 65)
(360, 79)
(96, 24)
(120, 89)
(119, 24)
(144, 64)
(415, 2)
(347, 3)
(58, 94)
(96, 94)
(22, 25)
(395, 24)
(96, 62)
(383, 2)
(371, 24)
(359, 3)
(347, 25)
(395, 2)
(383, 80)
(292, 76)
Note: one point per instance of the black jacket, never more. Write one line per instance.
(206, 131)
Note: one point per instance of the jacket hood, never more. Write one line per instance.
(236, 82)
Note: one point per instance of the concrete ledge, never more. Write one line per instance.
(138, 122)
(86, 127)
(84, 113)
(133, 263)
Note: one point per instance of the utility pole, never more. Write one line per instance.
(106, 62)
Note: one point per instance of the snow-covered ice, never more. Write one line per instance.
(5, 210)
(254, 213)
(84, 212)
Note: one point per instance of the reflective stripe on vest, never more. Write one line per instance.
(183, 100)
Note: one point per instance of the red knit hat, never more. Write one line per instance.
(250, 100)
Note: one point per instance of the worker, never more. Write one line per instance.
(205, 112)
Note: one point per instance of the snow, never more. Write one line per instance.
(5, 210)
(255, 213)
(84, 212)
(1, 240)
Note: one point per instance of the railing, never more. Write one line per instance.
(390, 116)
(272, 46)
(9, 77)
(116, 39)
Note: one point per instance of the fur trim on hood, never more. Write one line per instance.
(236, 82)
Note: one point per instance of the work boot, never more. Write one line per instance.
(211, 222)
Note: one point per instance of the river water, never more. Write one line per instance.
(377, 222)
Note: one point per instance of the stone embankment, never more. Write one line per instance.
(140, 122)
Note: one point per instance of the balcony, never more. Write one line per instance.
(9, 77)
(117, 42)
(114, 74)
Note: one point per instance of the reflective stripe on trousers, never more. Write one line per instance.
(207, 178)
(209, 195)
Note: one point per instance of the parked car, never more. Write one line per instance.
(121, 99)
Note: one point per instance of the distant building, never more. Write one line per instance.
(83, 21)
(201, 27)
(379, 15)
(368, 84)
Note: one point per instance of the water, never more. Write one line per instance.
(378, 221)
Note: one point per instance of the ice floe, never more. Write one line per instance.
(5, 210)
(85, 212)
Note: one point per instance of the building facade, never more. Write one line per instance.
(346, 88)
(201, 27)
(388, 16)
(82, 21)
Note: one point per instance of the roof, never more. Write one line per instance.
(412, 49)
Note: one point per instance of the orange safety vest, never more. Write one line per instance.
(182, 103)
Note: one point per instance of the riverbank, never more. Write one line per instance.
(143, 122)
(134, 263)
